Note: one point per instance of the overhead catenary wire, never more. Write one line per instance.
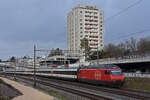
(132, 33)
(122, 11)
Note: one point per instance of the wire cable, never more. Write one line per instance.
(133, 33)
(122, 11)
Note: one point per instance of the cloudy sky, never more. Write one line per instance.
(24, 23)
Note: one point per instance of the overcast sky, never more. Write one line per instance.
(24, 23)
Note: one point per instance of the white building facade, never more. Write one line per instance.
(85, 22)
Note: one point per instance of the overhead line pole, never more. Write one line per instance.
(34, 66)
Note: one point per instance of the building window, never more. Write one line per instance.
(101, 25)
(80, 27)
(101, 21)
(80, 11)
(80, 23)
(95, 12)
(101, 37)
(86, 31)
(101, 44)
(80, 31)
(80, 20)
(86, 35)
(101, 29)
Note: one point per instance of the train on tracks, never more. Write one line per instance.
(96, 74)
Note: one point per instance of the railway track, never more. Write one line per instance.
(121, 92)
(79, 92)
(139, 92)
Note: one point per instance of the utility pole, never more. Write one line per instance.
(15, 70)
(34, 66)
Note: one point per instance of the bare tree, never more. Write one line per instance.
(144, 45)
(111, 50)
(55, 52)
(132, 45)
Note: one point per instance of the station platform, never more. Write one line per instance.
(29, 93)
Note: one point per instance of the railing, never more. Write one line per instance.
(139, 75)
(124, 59)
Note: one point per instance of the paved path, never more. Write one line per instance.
(28, 92)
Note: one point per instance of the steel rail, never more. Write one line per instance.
(121, 92)
(91, 96)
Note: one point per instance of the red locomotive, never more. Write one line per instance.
(101, 74)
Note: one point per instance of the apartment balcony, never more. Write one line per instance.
(91, 20)
(91, 24)
(95, 40)
(93, 36)
(93, 44)
(93, 47)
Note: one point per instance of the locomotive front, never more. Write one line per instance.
(117, 77)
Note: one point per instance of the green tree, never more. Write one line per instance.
(25, 57)
(12, 59)
(98, 55)
(85, 48)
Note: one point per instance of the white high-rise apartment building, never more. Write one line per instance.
(85, 22)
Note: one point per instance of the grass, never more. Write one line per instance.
(53, 94)
(48, 92)
(4, 98)
(1, 81)
(137, 83)
(16, 80)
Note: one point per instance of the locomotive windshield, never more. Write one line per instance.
(116, 72)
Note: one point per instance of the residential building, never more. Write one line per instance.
(85, 22)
